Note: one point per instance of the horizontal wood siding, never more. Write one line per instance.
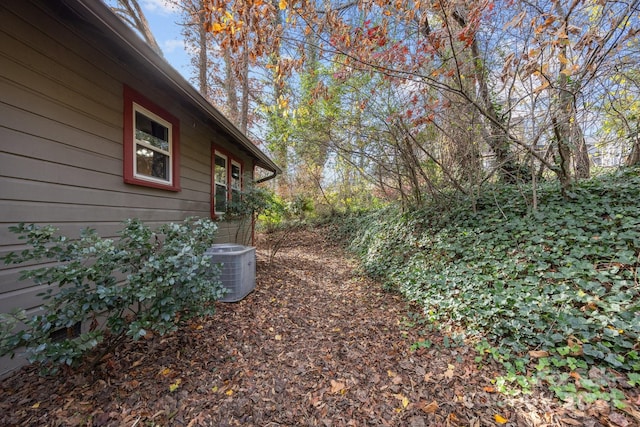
(61, 132)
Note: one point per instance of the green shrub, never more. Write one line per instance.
(252, 200)
(147, 280)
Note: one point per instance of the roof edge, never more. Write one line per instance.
(120, 30)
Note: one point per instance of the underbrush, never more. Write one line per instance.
(98, 291)
(550, 293)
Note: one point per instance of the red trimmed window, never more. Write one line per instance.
(151, 144)
(227, 182)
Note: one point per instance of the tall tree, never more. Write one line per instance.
(570, 48)
(131, 12)
(222, 75)
(467, 78)
(621, 107)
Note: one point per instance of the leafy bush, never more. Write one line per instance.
(561, 280)
(145, 281)
(252, 200)
(272, 211)
(278, 218)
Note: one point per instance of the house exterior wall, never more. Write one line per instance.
(61, 142)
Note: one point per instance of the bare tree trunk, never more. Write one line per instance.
(244, 85)
(411, 165)
(563, 115)
(281, 151)
(583, 165)
(230, 86)
(634, 157)
(203, 62)
(547, 154)
(497, 140)
(130, 12)
(534, 186)
(560, 129)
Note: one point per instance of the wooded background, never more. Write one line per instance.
(371, 100)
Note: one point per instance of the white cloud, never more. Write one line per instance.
(161, 6)
(172, 45)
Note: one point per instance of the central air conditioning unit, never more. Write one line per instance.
(238, 273)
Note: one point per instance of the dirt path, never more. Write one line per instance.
(314, 344)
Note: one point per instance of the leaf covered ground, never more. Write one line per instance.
(314, 344)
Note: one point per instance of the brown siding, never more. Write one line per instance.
(61, 131)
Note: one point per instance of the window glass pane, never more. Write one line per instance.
(235, 183)
(152, 163)
(152, 132)
(221, 198)
(235, 172)
(220, 178)
(235, 176)
(221, 170)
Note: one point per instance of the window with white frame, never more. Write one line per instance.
(152, 148)
(151, 145)
(227, 182)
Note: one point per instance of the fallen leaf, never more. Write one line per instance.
(591, 306)
(571, 421)
(500, 419)
(449, 372)
(635, 414)
(404, 399)
(619, 419)
(36, 405)
(595, 373)
(429, 408)
(538, 354)
(599, 407)
(405, 402)
(173, 387)
(337, 386)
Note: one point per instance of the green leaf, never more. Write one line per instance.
(589, 350)
(634, 378)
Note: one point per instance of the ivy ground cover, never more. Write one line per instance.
(551, 292)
